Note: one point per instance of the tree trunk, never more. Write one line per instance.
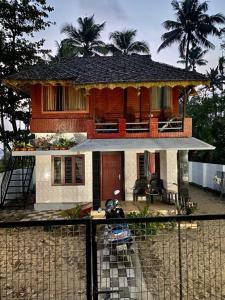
(186, 69)
(12, 104)
(2, 127)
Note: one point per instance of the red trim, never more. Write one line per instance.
(152, 133)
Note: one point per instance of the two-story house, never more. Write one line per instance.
(117, 107)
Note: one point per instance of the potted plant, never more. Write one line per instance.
(18, 146)
(29, 147)
(63, 144)
(43, 143)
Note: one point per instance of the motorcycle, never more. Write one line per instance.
(118, 236)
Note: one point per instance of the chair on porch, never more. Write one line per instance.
(155, 188)
(140, 187)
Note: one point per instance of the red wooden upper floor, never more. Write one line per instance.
(109, 113)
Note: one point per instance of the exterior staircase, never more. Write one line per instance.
(16, 182)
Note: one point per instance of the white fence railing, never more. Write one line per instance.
(203, 174)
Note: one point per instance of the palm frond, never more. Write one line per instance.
(138, 47)
(169, 38)
(123, 43)
(169, 24)
(175, 5)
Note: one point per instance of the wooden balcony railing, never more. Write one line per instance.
(176, 127)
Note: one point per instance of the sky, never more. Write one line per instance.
(146, 16)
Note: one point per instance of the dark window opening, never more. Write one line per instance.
(68, 170)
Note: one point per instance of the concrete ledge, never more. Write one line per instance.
(55, 206)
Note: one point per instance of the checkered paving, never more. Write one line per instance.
(28, 215)
(43, 215)
(116, 274)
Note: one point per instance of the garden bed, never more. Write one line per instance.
(202, 262)
(43, 263)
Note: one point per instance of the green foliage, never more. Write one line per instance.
(191, 207)
(148, 228)
(74, 212)
(196, 57)
(83, 40)
(22, 145)
(43, 142)
(209, 125)
(64, 143)
(124, 43)
(19, 21)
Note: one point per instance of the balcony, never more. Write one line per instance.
(152, 128)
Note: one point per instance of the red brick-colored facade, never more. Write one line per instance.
(106, 105)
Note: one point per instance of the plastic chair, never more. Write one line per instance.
(140, 188)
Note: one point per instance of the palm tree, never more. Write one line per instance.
(195, 57)
(64, 49)
(221, 65)
(216, 81)
(84, 40)
(191, 28)
(123, 43)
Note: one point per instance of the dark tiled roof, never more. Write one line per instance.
(102, 69)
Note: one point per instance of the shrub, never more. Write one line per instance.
(147, 228)
(79, 211)
(72, 213)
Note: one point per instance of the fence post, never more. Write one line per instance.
(180, 259)
(94, 262)
(88, 260)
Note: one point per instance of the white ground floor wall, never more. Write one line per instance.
(49, 196)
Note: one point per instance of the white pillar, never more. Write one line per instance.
(130, 173)
(184, 174)
(168, 169)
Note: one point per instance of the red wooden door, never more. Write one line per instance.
(112, 175)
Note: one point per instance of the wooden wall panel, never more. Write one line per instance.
(108, 105)
(145, 103)
(175, 95)
(58, 125)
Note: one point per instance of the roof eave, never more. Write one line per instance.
(24, 85)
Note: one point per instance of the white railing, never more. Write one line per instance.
(106, 127)
(137, 127)
(173, 124)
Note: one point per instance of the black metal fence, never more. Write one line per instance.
(177, 257)
(44, 260)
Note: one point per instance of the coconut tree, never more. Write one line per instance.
(191, 27)
(64, 49)
(216, 81)
(221, 65)
(123, 42)
(195, 58)
(84, 39)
